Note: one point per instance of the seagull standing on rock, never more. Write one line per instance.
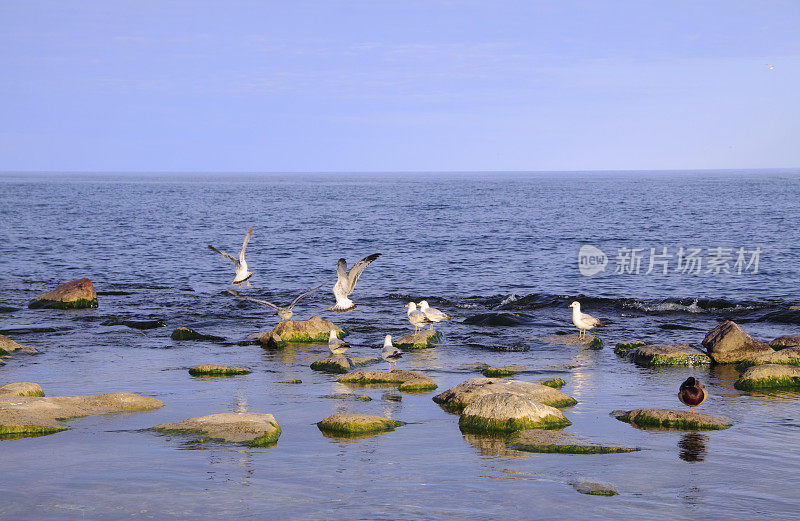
(242, 273)
(336, 344)
(416, 317)
(432, 314)
(284, 313)
(583, 321)
(346, 282)
(390, 353)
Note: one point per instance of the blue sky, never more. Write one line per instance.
(398, 85)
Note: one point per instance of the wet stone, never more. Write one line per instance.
(769, 376)
(252, 429)
(669, 419)
(549, 441)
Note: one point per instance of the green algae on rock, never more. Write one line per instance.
(507, 412)
(506, 370)
(21, 389)
(9, 346)
(22, 416)
(271, 340)
(555, 383)
(655, 355)
(76, 294)
(457, 398)
(315, 330)
(184, 333)
(769, 376)
(785, 341)
(558, 442)
(587, 341)
(248, 428)
(668, 419)
(623, 348)
(298, 381)
(423, 339)
(217, 370)
(356, 424)
(342, 364)
(786, 356)
(407, 381)
(595, 488)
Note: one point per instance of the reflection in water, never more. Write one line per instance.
(693, 447)
(492, 446)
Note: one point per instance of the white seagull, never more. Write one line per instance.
(432, 314)
(583, 321)
(416, 317)
(284, 313)
(336, 344)
(242, 273)
(389, 352)
(346, 282)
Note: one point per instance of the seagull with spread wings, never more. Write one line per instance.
(346, 282)
(242, 273)
(284, 313)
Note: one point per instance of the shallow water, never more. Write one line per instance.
(468, 243)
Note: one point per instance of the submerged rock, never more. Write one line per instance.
(728, 343)
(136, 324)
(7, 309)
(9, 346)
(558, 442)
(654, 355)
(342, 364)
(184, 333)
(217, 370)
(668, 419)
(457, 398)
(769, 376)
(499, 318)
(21, 389)
(422, 339)
(22, 416)
(356, 424)
(595, 488)
(298, 381)
(506, 370)
(77, 294)
(786, 356)
(623, 348)
(408, 381)
(785, 341)
(271, 340)
(507, 412)
(315, 330)
(249, 428)
(588, 341)
(555, 383)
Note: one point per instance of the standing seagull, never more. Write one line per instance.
(284, 313)
(432, 314)
(389, 352)
(692, 393)
(242, 273)
(346, 282)
(416, 317)
(583, 321)
(336, 344)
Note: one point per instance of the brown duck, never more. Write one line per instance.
(692, 393)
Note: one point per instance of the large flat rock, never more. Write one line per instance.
(728, 344)
(550, 441)
(769, 376)
(508, 412)
(786, 356)
(315, 330)
(661, 355)
(76, 294)
(249, 428)
(457, 398)
(406, 381)
(21, 389)
(669, 419)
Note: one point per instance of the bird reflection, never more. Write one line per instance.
(693, 447)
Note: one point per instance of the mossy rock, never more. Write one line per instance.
(499, 372)
(21, 389)
(666, 355)
(587, 341)
(406, 381)
(217, 370)
(783, 342)
(423, 339)
(786, 356)
(557, 442)
(315, 330)
(76, 294)
(729, 344)
(595, 488)
(457, 398)
(769, 376)
(506, 412)
(555, 383)
(293, 382)
(668, 419)
(9, 346)
(356, 424)
(342, 364)
(271, 341)
(184, 333)
(251, 429)
(623, 348)
(55, 304)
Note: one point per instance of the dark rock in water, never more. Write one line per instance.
(559, 442)
(495, 319)
(77, 294)
(667, 419)
(136, 324)
(9, 346)
(768, 377)
(342, 364)
(678, 327)
(785, 341)
(184, 333)
(623, 348)
(315, 330)
(790, 316)
(26, 330)
(114, 293)
(668, 355)
(516, 347)
(728, 343)
(271, 340)
(587, 341)
(422, 339)
(249, 428)
(6, 309)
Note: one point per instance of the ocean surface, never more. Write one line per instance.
(469, 244)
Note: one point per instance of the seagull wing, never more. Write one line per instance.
(295, 301)
(224, 254)
(590, 320)
(264, 302)
(244, 244)
(356, 270)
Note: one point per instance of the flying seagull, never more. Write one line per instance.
(432, 314)
(242, 273)
(336, 344)
(284, 313)
(346, 282)
(770, 66)
(583, 321)
(390, 353)
(416, 317)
